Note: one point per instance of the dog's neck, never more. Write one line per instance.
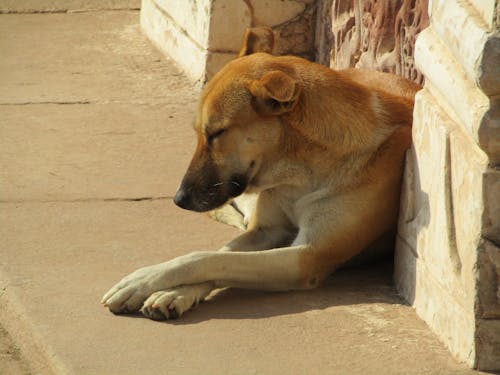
(341, 108)
(336, 136)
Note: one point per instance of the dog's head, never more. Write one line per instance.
(238, 126)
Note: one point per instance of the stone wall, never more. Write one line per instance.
(203, 35)
(448, 255)
(370, 34)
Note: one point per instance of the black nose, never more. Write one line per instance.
(182, 199)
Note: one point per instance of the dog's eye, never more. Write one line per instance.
(215, 135)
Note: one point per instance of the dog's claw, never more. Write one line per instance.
(173, 314)
(171, 303)
(156, 315)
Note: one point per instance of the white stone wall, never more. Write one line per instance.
(203, 35)
(447, 256)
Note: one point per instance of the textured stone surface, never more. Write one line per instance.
(41, 6)
(487, 343)
(140, 101)
(442, 200)
(373, 34)
(11, 362)
(355, 324)
(296, 35)
(466, 204)
(192, 17)
(488, 11)
(90, 60)
(447, 257)
(466, 102)
(163, 31)
(459, 55)
(228, 21)
(272, 13)
(454, 324)
(203, 35)
(99, 162)
(461, 28)
(488, 269)
(214, 25)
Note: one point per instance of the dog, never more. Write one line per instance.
(309, 160)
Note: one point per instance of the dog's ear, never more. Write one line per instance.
(257, 39)
(275, 93)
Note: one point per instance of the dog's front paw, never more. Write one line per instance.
(172, 303)
(128, 295)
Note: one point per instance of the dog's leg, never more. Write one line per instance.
(172, 303)
(177, 297)
(229, 215)
(238, 212)
(276, 269)
(299, 266)
(324, 241)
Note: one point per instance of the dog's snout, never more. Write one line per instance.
(182, 199)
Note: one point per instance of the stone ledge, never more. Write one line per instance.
(488, 11)
(192, 19)
(453, 324)
(441, 201)
(203, 35)
(201, 20)
(444, 264)
(25, 333)
(190, 47)
(470, 40)
(198, 63)
(447, 81)
(171, 40)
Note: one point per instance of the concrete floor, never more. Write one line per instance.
(94, 137)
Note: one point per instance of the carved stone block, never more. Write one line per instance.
(372, 34)
(204, 35)
(447, 254)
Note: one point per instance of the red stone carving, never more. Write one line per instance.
(371, 34)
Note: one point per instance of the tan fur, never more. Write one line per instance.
(322, 150)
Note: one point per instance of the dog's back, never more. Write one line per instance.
(390, 83)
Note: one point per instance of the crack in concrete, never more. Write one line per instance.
(57, 11)
(89, 200)
(153, 101)
(52, 102)
(494, 241)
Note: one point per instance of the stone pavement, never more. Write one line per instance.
(94, 137)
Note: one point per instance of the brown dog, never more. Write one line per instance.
(323, 150)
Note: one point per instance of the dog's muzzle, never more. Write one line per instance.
(202, 199)
(182, 199)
